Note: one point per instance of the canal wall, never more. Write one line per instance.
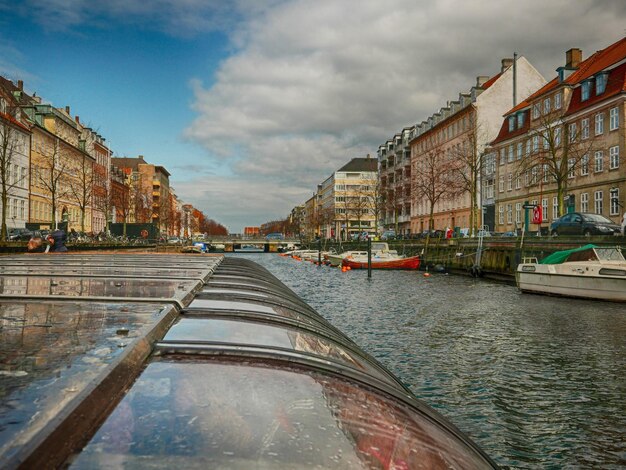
(499, 256)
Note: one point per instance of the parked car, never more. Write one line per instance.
(584, 223)
(388, 235)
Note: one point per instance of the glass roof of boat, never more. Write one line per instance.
(197, 362)
(220, 414)
(50, 352)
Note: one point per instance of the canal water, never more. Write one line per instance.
(536, 381)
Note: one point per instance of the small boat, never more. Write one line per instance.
(588, 272)
(383, 260)
(335, 259)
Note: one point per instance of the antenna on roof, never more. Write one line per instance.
(514, 79)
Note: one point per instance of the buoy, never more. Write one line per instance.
(348, 268)
(343, 269)
(426, 274)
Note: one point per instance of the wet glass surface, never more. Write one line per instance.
(217, 290)
(98, 287)
(107, 270)
(262, 335)
(49, 352)
(244, 416)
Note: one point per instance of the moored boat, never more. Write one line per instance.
(589, 272)
(382, 261)
(335, 259)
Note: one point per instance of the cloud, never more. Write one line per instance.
(314, 84)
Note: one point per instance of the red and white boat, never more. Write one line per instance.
(382, 261)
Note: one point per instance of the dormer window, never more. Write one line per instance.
(585, 90)
(520, 120)
(511, 123)
(601, 80)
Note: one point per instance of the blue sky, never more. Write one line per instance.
(250, 104)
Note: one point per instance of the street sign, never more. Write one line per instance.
(529, 206)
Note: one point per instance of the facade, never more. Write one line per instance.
(15, 138)
(561, 148)
(120, 195)
(61, 170)
(347, 200)
(394, 192)
(311, 223)
(95, 145)
(447, 149)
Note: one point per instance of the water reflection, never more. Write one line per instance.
(536, 381)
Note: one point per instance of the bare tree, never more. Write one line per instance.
(558, 150)
(467, 166)
(10, 148)
(434, 179)
(81, 186)
(51, 173)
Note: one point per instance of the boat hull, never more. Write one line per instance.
(570, 281)
(391, 263)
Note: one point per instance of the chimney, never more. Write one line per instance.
(20, 85)
(67, 110)
(480, 80)
(506, 63)
(573, 58)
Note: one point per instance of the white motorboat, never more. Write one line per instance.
(335, 259)
(589, 272)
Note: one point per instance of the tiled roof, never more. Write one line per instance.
(615, 85)
(597, 62)
(360, 164)
(491, 81)
(504, 133)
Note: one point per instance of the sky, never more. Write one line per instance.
(250, 104)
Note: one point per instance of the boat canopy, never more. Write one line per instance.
(559, 257)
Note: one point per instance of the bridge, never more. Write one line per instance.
(232, 244)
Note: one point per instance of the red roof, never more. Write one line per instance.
(14, 121)
(614, 86)
(504, 133)
(597, 62)
(491, 81)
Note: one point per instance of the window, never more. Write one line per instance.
(518, 182)
(536, 110)
(502, 156)
(614, 201)
(614, 157)
(511, 155)
(511, 123)
(528, 147)
(509, 184)
(535, 143)
(557, 136)
(597, 198)
(571, 171)
(584, 202)
(501, 184)
(572, 133)
(520, 120)
(546, 106)
(585, 88)
(584, 165)
(518, 213)
(526, 178)
(544, 207)
(520, 150)
(555, 208)
(546, 143)
(601, 79)
(501, 214)
(509, 213)
(535, 173)
(613, 119)
(599, 123)
(546, 172)
(558, 101)
(598, 161)
(585, 128)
